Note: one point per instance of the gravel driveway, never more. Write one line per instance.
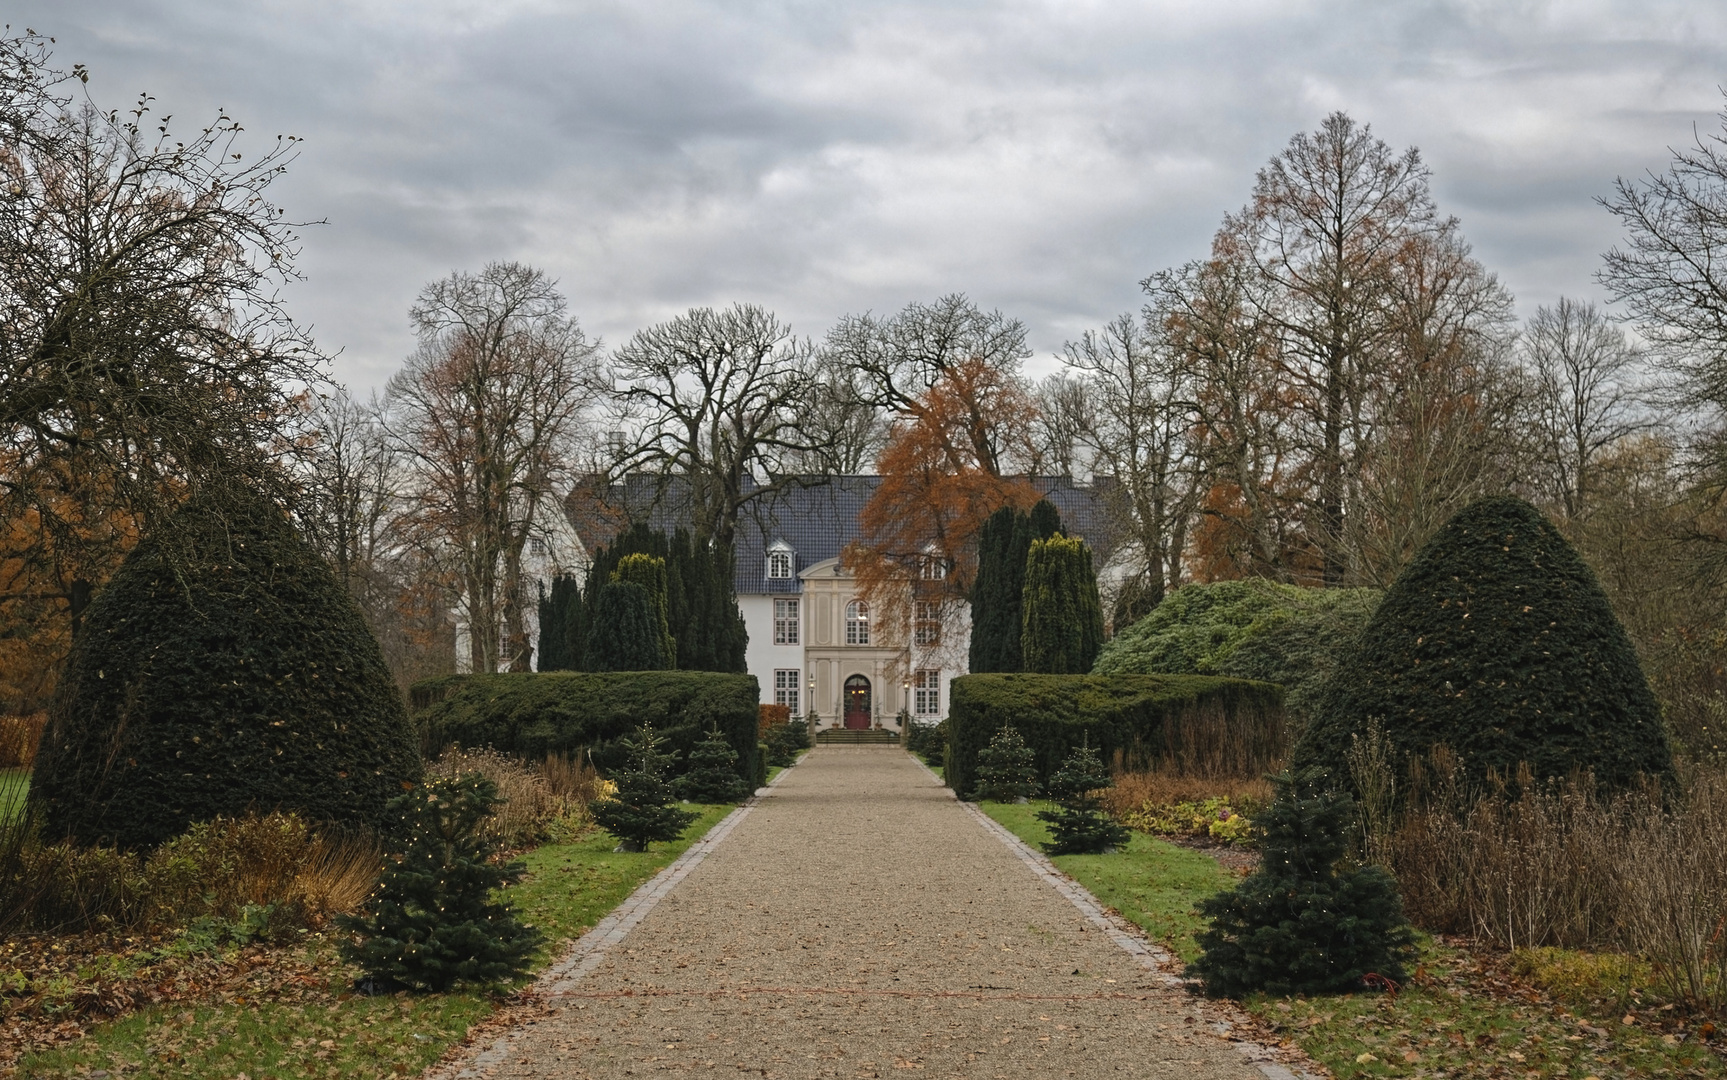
(859, 922)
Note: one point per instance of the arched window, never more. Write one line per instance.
(857, 623)
(779, 563)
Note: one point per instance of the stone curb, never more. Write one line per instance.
(1154, 958)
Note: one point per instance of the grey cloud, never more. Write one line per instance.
(821, 159)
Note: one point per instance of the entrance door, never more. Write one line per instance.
(857, 702)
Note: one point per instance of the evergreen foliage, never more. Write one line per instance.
(1078, 825)
(649, 572)
(1007, 768)
(701, 607)
(432, 921)
(1498, 642)
(1308, 921)
(563, 635)
(222, 669)
(589, 713)
(785, 741)
(1147, 720)
(997, 592)
(641, 811)
(712, 775)
(624, 632)
(1252, 629)
(1063, 618)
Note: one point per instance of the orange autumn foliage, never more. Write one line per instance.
(942, 474)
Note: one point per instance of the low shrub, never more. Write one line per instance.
(19, 736)
(1136, 790)
(784, 742)
(272, 867)
(532, 714)
(928, 741)
(527, 809)
(1213, 820)
(1193, 724)
(772, 716)
(1565, 866)
(760, 779)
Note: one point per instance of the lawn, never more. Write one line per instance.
(14, 785)
(1461, 1016)
(314, 1027)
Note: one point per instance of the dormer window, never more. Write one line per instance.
(931, 566)
(779, 564)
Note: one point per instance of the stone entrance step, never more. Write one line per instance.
(856, 737)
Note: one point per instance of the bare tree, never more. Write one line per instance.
(487, 412)
(1672, 271)
(901, 356)
(1139, 430)
(351, 489)
(841, 423)
(144, 349)
(717, 400)
(1584, 400)
(1329, 217)
(1064, 420)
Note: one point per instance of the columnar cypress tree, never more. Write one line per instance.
(649, 572)
(563, 638)
(624, 634)
(1006, 768)
(641, 811)
(432, 922)
(1078, 826)
(702, 613)
(1308, 921)
(997, 593)
(1062, 616)
(712, 776)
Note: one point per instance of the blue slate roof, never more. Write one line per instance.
(817, 518)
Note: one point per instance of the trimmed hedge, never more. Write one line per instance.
(222, 669)
(1498, 642)
(537, 713)
(1197, 723)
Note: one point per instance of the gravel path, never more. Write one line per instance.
(859, 922)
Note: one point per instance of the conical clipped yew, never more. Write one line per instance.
(624, 633)
(222, 669)
(1498, 642)
(1062, 619)
(649, 572)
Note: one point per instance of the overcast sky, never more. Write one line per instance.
(830, 157)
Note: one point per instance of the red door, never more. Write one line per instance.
(857, 702)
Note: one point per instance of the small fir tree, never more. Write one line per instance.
(432, 922)
(712, 776)
(623, 634)
(1308, 921)
(1006, 768)
(641, 811)
(1078, 825)
(1062, 630)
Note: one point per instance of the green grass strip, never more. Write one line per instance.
(329, 1032)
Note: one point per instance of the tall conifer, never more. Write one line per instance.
(1003, 544)
(1062, 629)
(649, 571)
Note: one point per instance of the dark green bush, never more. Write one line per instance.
(1251, 629)
(1198, 724)
(1078, 824)
(222, 669)
(624, 631)
(785, 741)
(432, 922)
(1005, 768)
(711, 775)
(760, 779)
(563, 712)
(1497, 642)
(1308, 921)
(1063, 618)
(641, 811)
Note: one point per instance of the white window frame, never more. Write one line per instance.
(926, 622)
(787, 683)
(857, 623)
(785, 620)
(779, 564)
(926, 692)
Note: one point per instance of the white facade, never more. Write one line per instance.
(819, 648)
